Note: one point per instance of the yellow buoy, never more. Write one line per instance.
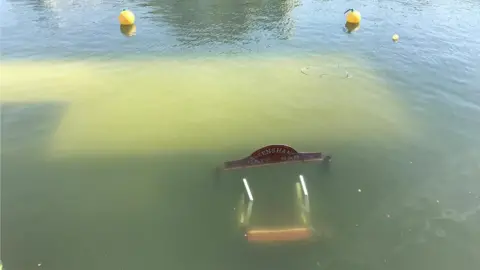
(395, 38)
(126, 17)
(353, 16)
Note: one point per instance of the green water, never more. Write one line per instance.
(109, 143)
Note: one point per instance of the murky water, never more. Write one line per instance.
(109, 142)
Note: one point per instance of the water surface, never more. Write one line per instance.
(109, 142)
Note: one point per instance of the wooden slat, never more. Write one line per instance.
(296, 234)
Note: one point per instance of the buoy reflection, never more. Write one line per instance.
(351, 27)
(128, 30)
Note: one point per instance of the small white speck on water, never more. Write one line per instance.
(39, 264)
(356, 225)
(359, 190)
(438, 201)
(318, 264)
(388, 215)
(411, 162)
(385, 261)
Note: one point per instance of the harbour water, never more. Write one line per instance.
(109, 143)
